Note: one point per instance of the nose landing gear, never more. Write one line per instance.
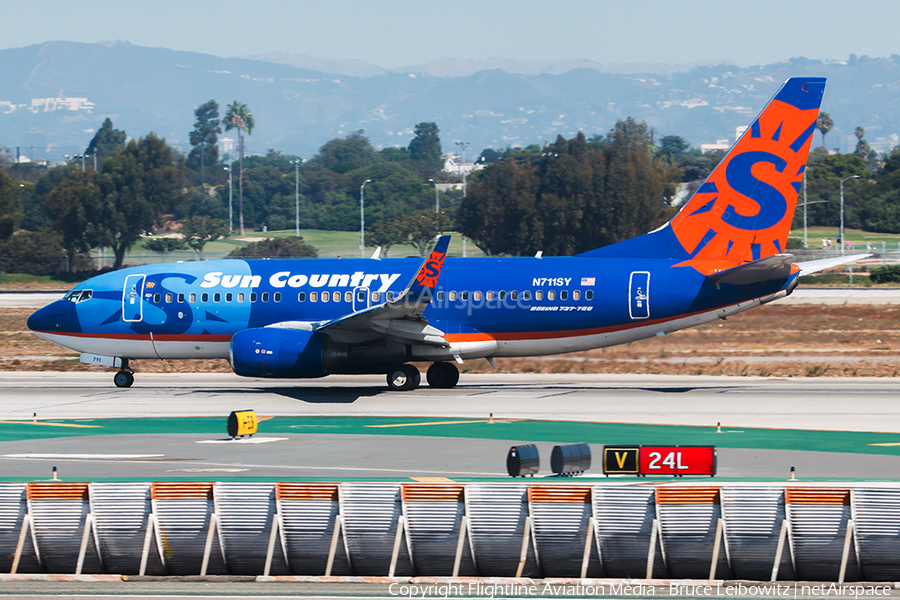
(124, 378)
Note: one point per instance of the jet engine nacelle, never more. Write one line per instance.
(272, 352)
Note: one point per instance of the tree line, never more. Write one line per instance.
(566, 197)
(128, 188)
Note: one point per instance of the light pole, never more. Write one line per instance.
(362, 218)
(230, 203)
(437, 198)
(842, 208)
(437, 204)
(297, 194)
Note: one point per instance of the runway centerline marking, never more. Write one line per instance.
(259, 440)
(439, 423)
(48, 424)
(83, 456)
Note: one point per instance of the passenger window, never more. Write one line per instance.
(539, 295)
(476, 296)
(348, 296)
(375, 296)
(360, 296)
(156, 298)
(452, 296)
(204, 297)
(253, 296)
(229, 297)
(313, 296)
(181, 297)
(514, 295)
(489, 295)
(502, 296)
(277, 296)
(390, 296)
(217, 297)
(193, 297)
(241, 297)
(564, 295)
(168, 298)
(465, 296)
(301, 297)
(440, 296)
(551, 295)
(576, 295)
(326, 296)
(526, 295)
(589, 295)
(265, 297)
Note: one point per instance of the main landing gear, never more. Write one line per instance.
(403, 378)
(124, 378)
(442, 375)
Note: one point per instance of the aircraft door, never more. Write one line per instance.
(639, 295)
(132, 303)
(361, 298)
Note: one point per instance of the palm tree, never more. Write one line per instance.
(238, 116)
(824, 124)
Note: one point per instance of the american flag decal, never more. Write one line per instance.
(587, 281)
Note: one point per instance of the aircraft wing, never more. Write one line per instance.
(814, 266)
(402, 317)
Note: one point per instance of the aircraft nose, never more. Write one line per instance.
(58, 316)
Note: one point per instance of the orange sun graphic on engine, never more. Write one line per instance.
(431, 270)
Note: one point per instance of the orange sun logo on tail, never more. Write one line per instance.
(743, 211)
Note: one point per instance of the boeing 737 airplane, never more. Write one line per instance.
(301, 318)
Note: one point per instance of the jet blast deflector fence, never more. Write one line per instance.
(754, 532)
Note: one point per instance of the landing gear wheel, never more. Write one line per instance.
(403, 378)
(442, 375)
(124, 379)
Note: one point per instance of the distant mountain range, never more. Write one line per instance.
(55, 95)
(453, 67)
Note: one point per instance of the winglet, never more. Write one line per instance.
(422, 286)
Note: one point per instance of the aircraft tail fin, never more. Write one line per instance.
(742, 212)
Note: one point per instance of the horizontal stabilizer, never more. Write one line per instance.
(770, 268)
(814, 266)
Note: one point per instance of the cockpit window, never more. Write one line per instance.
(78, 295)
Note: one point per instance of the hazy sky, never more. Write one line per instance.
(402, 32)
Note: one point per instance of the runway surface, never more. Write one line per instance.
(335, 427)
(845, 404)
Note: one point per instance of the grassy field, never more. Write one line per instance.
(857, 237)
(330, 244)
